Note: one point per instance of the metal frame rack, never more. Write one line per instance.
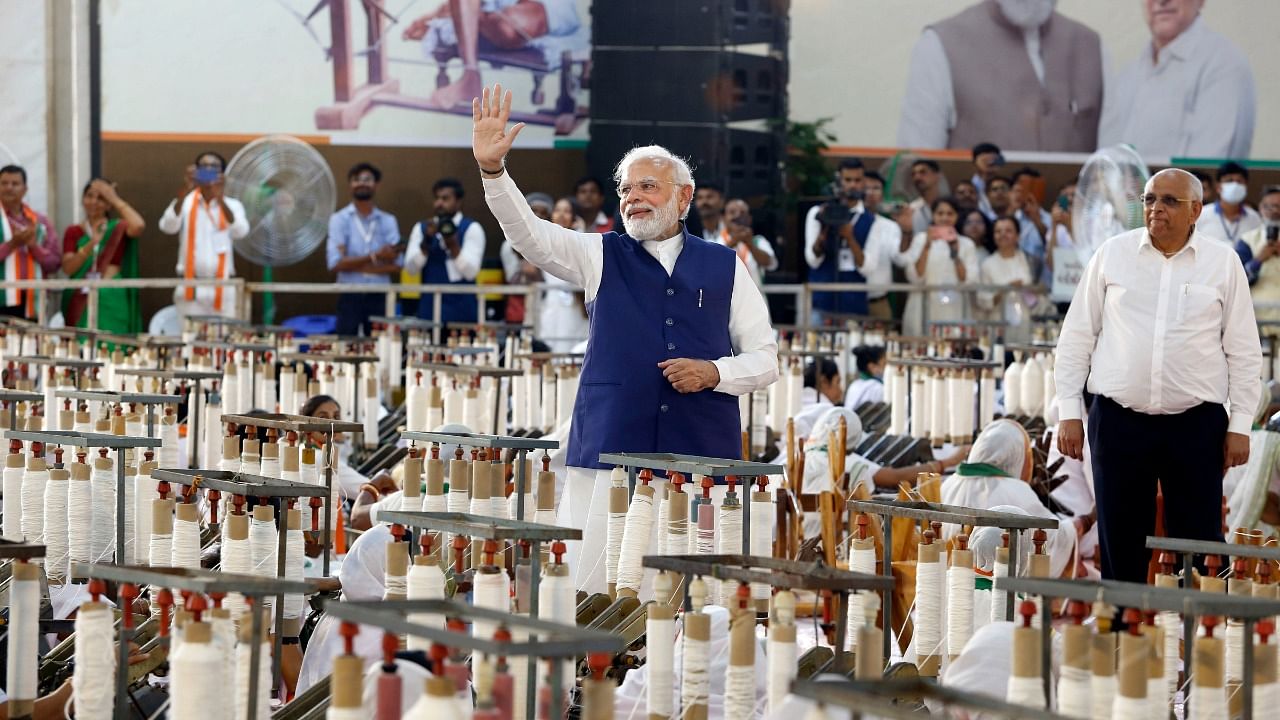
(76, 365)
(302, 425)
(194, 395)
(879, 699)
(482, 371)
(695, 465)
(522, 446)
(150, 400)
(1147, 597)
(951, 364)
(937, 512)
(791, 574)
(12, 398)
(475, 526)
(562, 641)
(245, 485)
(197, 581)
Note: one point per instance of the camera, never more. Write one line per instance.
(445, 226)
(835, 211)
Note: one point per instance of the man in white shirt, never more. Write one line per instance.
(206, 223)
(1229, 218)
(738, 235)
(1189, 93)
(678, 328)
(447, 249)
(1162, 330)
(926, 178)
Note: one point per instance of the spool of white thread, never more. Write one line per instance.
(999, 598)
(493, 591)
(778, 404)
(1032, 392)
(960, 591)
(695, 682)
(236, 559)
(1074, 688)
(185, 551)
(1013, 389)
(549, 398)
(93, 679)
(56, 529)
(1234, 656)
(35, 482)
(661, 493)
(1050, 386)
(262, 543)
(986, 399)
(781, 655)
(1171, 624)
(740, 691)
(635, 540)
(919, 406)
(929, 589)
(79, 515)
(425, 582)
(247, 377)
(243, 651)
(230, 389)
(11, 502)
(898, 403)
(369, 407)
(939, 408)
(959, 406)
(519, 403)
(295, 561)
(168, 455)
(453, 405)
(439, 703)
(861, 560)
(211, 425)
(130, 518)
(1029, 692)
(762, 514)
(103, 531)
(22, 659)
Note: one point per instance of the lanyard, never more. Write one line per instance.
(1234, 230)
(366, 232)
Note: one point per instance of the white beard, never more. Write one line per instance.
(655, 226)
(1027, 14)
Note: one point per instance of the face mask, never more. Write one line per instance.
(1233, 192)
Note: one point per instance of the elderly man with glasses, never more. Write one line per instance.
(1161, 333)
(678, 328)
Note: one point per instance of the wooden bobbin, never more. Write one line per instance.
(1134, 654)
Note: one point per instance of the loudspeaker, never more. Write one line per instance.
(744, 162)
(699, 86)
(631, 23)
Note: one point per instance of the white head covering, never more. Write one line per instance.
(984, 541)
(829, 421)
(1002, 444)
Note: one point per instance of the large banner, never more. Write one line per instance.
(1174, 78)
(389, 72)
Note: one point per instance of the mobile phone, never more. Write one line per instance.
(1035, 186)
(1064, 202)
(1273, 233)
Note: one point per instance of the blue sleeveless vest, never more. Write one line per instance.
(453, 308)
(639, 318)
(842, 302)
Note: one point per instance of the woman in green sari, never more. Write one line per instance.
(103, 246)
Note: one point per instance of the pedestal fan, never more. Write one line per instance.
(1108, 198)
(288, 194)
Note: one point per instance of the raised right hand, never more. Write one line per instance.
(1071, 439)
(490, 139)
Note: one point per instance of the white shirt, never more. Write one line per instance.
(464, 267)
(929, 105)
(1214, 224)
(579, 258)
(211, 241)
(877, 253)
(1160, 336)
(1198, 99)
(863, 390)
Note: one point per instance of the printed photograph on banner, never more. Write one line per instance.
(1173, 78)
(384, 72)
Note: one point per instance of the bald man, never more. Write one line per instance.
(1161, 333)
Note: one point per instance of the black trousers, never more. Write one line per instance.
(355, 309)
(1131, 452)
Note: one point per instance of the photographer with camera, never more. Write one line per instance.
(447, 248)
(363, 248)
(845, 243)
(1260, 250)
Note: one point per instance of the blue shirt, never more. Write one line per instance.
(351, 235)
(1032, 243)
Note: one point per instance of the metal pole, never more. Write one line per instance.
(122, 661)
(522, 481)
(886, 596)
(282, 533)
(631, 481)
(328, 499)
(531, 662)
(120, 559)
(1013, 572)
(255, 655)
(1246, 688)
(1046, 651)
(436, 303)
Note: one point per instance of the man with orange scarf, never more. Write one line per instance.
(28, 244)
(206, 223)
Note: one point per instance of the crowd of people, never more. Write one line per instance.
(990, 230)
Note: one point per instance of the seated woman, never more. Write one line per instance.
(998, 472)
(348, 480)
(869, 387)
(822, 391)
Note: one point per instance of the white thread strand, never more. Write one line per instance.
(1157, 701)
(34, 483)
(425, 582)
(695, 682)
(490, 590)
(1208, 703)
(660, 650)
(1171, 624)
(862, 560)
(616, 526)
(243, 651)
(781, 662)
(103, 528)
(1073, 692)
(22, 661)
(130, 516)
(635, 541)
(56, 528)
(194, 690)
(928, 626)
(959, 608)
(93, 680)
(236, 559)
(12, 503)
(664, 513)
(1029, 692)
(185, 552)
(294, 566)
(762, 512)
(999, 598)
(1234, 655)
(740, 691)
(144, 493)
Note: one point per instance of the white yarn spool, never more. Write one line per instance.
(103, 529)
(230, 389)
(662, 492)
(861, 560)
(781, 656)
(795, 393)
(778, 404)
(295, 561)
(1266, 695)
(1013, 389)
(929, 589)
(557, 602)
(247, 378)
(369, 411)
(193, 689)
(549, 398)
(960, 591)
(519, 402)
(1127, 707)
(1074, 692)
(533, 398)
(425, 582)
(211, 425)
(11, 503)
(660, 650)
(453, 400)
(1233, 664)
(1050, 387)
(262, 546)
(34, 485)
(22, 659)
(987, 399)
(144, 492)
(695, 682)
(939, 408)
(243, 651)
(224, 640)
(919, 406)
(762, 515)
(130, 516)
(236, 559)
(614, 528)
(740, 691)
(56, 535)
(93, 679)
(635, 541)
(1171, 624)
(1208, 703)
(185, 550)
(438, 707)
(999, 598)
(493, 591)
(959, 406)
(1029, 692)
(1157, 701)
(1032, 391)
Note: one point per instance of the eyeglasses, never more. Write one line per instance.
(1168, 201)
(646, 187)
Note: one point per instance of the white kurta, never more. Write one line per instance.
(940, 269)
(1011, 306)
